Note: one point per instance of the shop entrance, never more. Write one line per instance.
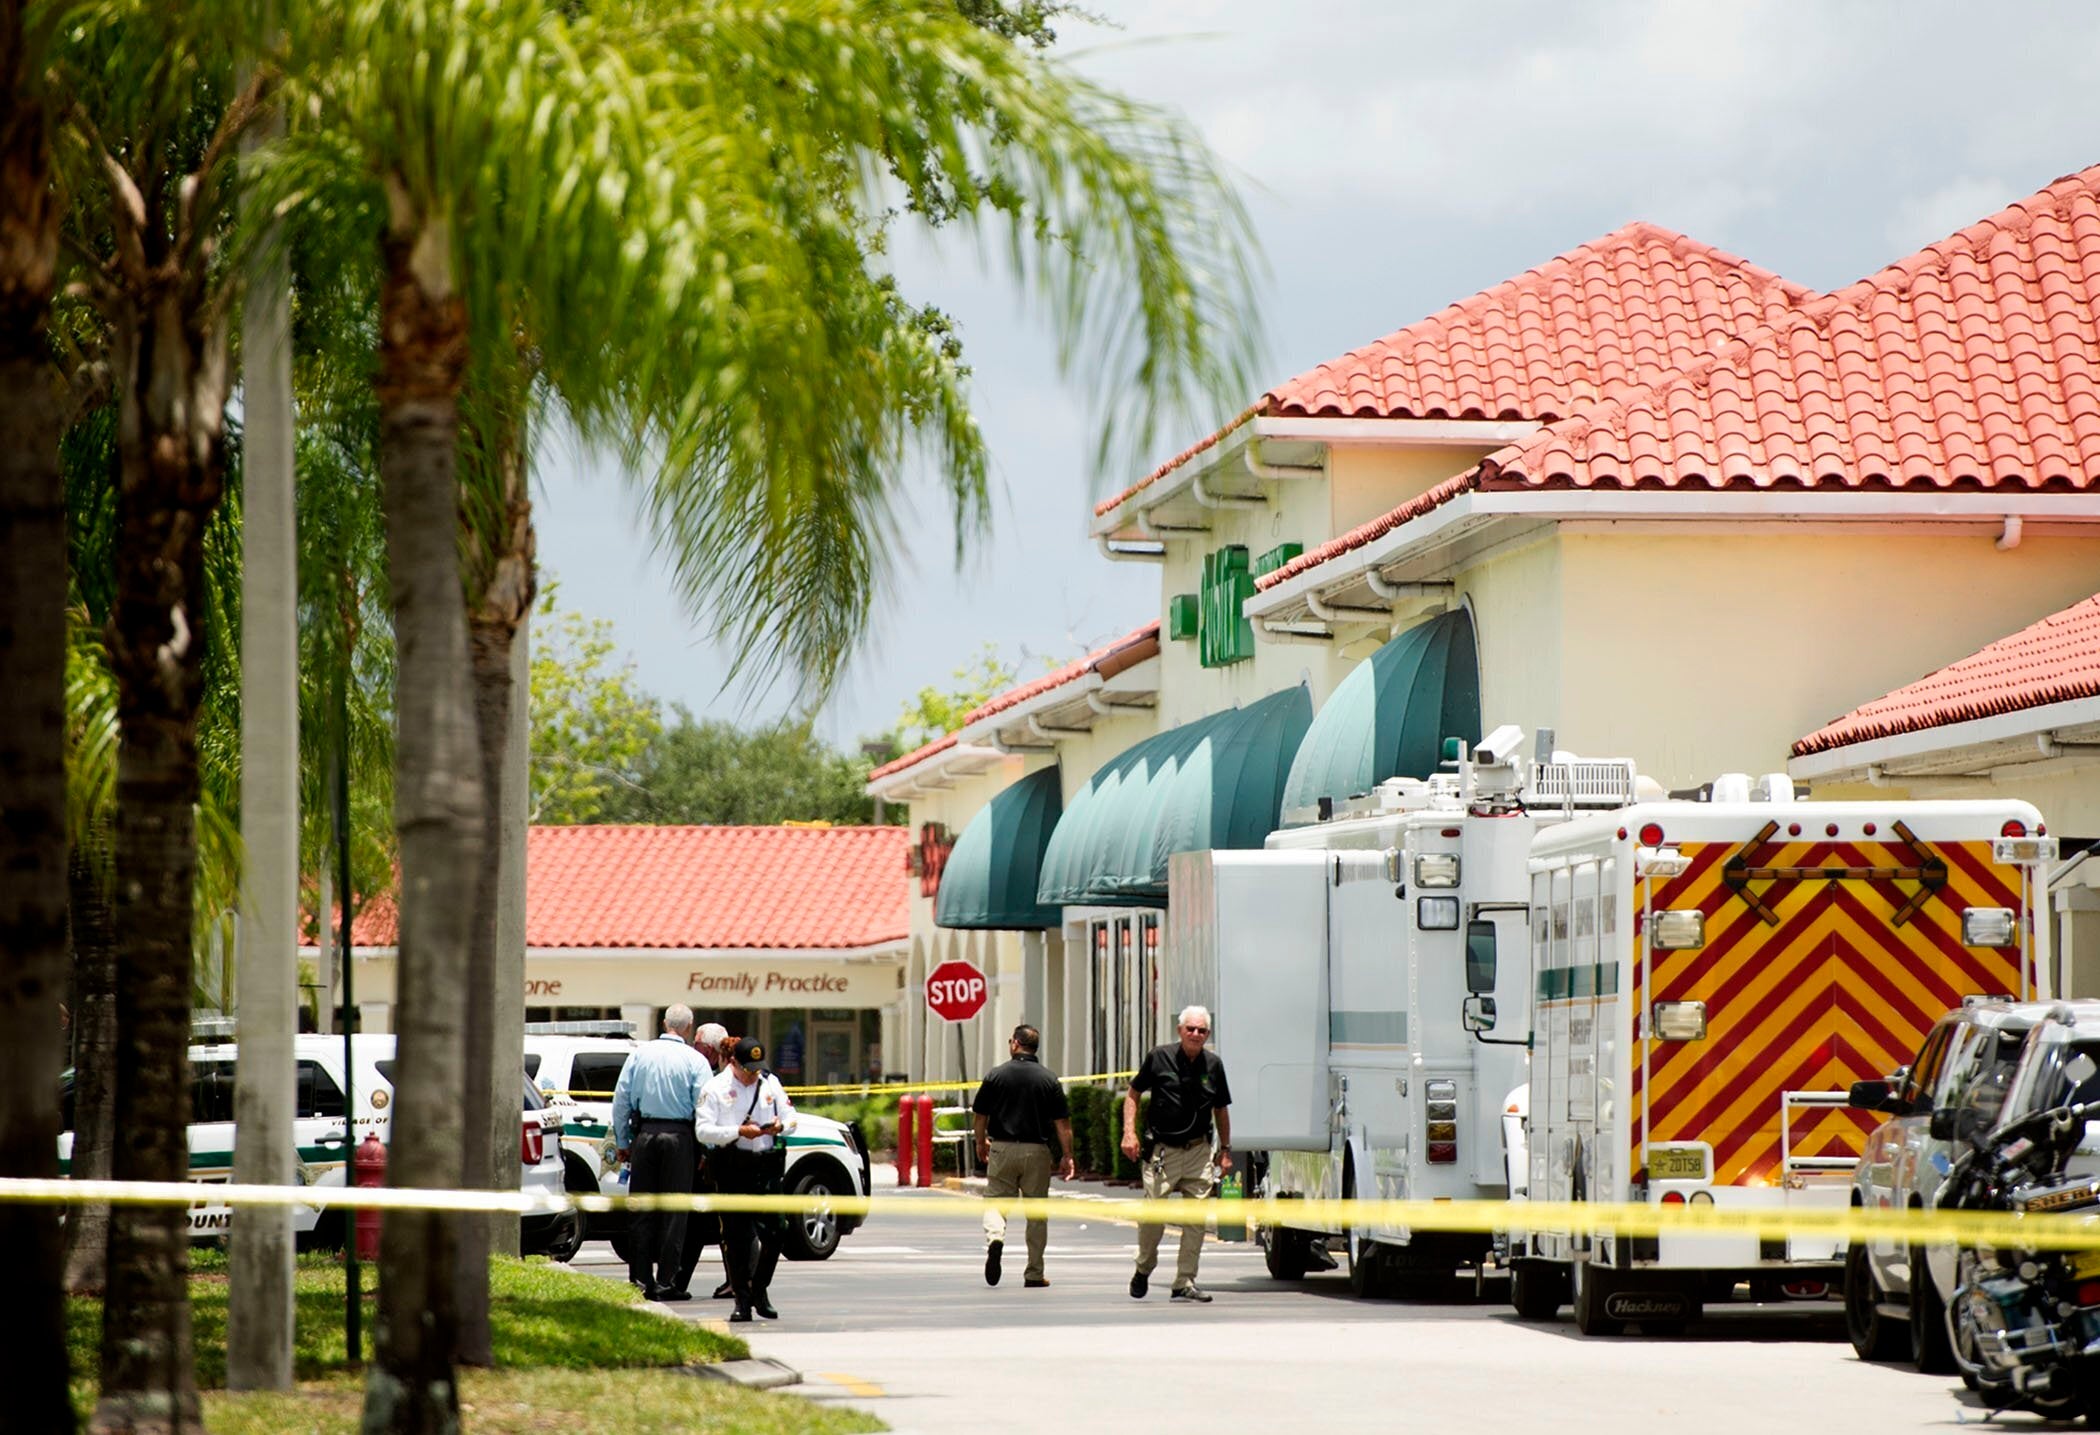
(833, 1051)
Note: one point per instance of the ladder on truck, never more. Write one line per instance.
(1799, 1171)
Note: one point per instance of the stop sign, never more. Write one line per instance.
(955, 991)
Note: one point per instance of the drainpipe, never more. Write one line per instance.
(1100, 705)
(1284, 633)
(1208, 499)
(1400, 592)
(1327, 613)
(1255, 466)
(1127, 554)
(2009, 535)
(1142, 521)
(2047, 745)
(1052, 734)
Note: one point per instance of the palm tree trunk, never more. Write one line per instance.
(495, 1038)
(171, 449)
(259, 1306)
(413, 1386)
(94, 1062)
(32, 745)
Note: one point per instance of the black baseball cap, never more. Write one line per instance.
(746, 1052)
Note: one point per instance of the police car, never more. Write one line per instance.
(324, 1144)
(576, 1065)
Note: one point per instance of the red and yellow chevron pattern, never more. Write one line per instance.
(1835, 993)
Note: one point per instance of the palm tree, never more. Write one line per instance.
(696, 174)
(151, 129)
(32, 743)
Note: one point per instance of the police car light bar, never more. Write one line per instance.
(579, 1028)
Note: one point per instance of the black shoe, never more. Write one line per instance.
(679, 1293)
(656, 1293)
(764, 1308)
(724, 1291)
(740, 1316)
(1194, 1293)
(1036, 1283)
(1138, 1283)
(992, 1253)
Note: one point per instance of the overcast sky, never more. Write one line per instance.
(1396, 158)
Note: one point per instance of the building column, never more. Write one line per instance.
(375, 1016)
(643, 1016)
(911, 1058)
(1078, 1006)
(1052, 946)
(1035, 992)
(2078, 939)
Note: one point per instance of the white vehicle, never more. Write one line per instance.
(577, 1065)
(1381, 957)
(1712, 977)
(324, 1145)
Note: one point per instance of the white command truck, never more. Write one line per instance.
(1369, 977)
(1712, 977)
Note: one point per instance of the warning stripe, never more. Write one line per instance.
(1833, 994)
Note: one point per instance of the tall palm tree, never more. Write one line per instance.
(32, 751)
(696, 174)
(151, 131)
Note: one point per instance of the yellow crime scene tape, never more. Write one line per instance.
(863, 1088)
(1854, 1225)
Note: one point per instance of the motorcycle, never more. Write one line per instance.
(2025, 1324)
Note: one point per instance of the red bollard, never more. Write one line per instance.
(368, 1168)
(925, 1141)
(906, 1151)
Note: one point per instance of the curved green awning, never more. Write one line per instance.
(990, 879)
(1389, 717)
(1213, 782)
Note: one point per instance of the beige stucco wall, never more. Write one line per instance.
(1367, 483)
(1700, 649)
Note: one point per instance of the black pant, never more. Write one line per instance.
(750, 1242)
(662, 1163)
(700, 1227)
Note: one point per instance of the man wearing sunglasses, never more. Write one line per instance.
(1188, 1090)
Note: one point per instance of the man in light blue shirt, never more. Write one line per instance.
(652, 1121)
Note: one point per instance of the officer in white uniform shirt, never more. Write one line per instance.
(743, 1114)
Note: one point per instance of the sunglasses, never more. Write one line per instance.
(1197, 1030)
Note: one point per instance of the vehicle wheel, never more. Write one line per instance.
(1283, 1249)
(1365, 1258)
(812, 1235)
(1537, 1290)
(1930, 1346)
(1590, 1292)
(567, 1237)
(1873, 1335)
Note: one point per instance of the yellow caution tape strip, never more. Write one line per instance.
(1969, 1228)
(862, 1088)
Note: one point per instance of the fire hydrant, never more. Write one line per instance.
(368, 1168)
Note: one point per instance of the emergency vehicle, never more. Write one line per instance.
(1711, 978)
(1369, 982)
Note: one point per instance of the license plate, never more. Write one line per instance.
(1676, 1163)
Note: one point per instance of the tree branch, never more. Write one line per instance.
(202, 183)
(127, 204)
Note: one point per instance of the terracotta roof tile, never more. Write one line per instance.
(1126, 649)
(1604, 317)
(1973, 364)
(2053, 661)
(792, 888)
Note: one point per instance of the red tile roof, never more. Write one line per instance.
(1973, 364)
(1602, 318)
(791, 888)
(2056, 660)
(1113, 657)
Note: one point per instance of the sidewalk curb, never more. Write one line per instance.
(757, 1373)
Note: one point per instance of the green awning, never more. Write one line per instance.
(1389, 717)
(1214, 782)
(990, 880)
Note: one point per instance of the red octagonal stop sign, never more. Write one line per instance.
(955, 991)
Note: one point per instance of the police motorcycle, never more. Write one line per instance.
(2025, 1324)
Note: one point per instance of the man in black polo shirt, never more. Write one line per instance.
(1188, 1089)
(1021, 1119)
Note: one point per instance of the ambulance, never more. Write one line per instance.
(1710, 979)
(1368, 976)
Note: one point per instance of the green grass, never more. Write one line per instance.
(573, 1353)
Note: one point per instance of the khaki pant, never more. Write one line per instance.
(1019, 1168)
(1176, 1171)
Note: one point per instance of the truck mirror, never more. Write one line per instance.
(1867, 1095)
(1480, 956)
(1478, 1013)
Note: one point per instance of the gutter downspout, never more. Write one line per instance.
(1204, 496)
(1275, 471)
(1328, 613)
(1052, 734)
(1401, 592)
(2009, 534)
(1282, 633)
(1127, 554)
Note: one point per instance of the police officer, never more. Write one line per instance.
(1023, 1129)
(743, 1114)
(1187, 1082)
(654, 1102)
